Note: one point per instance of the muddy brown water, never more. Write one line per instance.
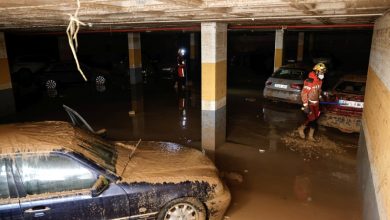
(269, 177)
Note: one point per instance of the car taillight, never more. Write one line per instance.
(296, 86)
(268, 83)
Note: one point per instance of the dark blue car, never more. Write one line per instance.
(54, 170)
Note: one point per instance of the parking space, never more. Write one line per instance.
(202, 109)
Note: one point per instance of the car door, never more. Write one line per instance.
(55, 186)
(9, 203)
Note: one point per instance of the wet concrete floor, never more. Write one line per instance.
(269, 173)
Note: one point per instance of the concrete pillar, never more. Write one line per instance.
(7, 101)
(278, 59)
(374, 143)
(301, 44)
(214, 55)
(64, 51)
(135, 61)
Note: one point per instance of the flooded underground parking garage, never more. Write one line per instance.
(200, 110)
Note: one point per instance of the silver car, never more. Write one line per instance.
(286, 83)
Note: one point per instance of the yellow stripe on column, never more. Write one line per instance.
(376, 117)
(278, 58)
(5, 78)
(214, 85)
(135, 60)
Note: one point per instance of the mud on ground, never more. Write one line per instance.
(323, 147)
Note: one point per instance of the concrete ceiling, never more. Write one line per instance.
(43, 15)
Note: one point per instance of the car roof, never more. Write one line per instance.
(49, 136)
(35, 136)
(354, 78)
(297, 66)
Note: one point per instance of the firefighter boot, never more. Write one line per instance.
(301, 131)
(311, 134)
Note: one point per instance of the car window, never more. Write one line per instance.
(286, 73)
(351, 87)
(53, 173)
(4, 191)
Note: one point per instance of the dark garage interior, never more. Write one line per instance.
(185, 113)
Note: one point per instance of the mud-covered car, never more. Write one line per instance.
(56, 170)
(344, 104)
(286, 83)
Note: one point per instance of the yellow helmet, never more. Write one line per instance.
(320, 67)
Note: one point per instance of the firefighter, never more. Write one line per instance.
(311, 94)
(181, 69)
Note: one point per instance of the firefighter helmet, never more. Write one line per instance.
(319, 67)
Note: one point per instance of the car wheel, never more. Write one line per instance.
(50, 84)
(183, 208)
(100, 80)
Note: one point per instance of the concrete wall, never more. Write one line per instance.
(7, 105)
(375, 141)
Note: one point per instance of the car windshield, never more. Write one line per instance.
(351, 87)
(289, 73)
(96, 149)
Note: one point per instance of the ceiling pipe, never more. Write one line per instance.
(196, 28)
(250, 19)
(324, 26)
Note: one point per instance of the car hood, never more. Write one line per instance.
(163, 162)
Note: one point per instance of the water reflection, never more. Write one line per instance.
(280, 117)
(183, 110)
(137, 110)
(101, 88)
(52, 93)
(186, 100)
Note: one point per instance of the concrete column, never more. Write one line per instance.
(301, 44)
(375, 139)
(278, 59)
(64, 51)
(7, 101)
(135, 61)
(214, 55)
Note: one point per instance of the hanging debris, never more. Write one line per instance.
(72, 31)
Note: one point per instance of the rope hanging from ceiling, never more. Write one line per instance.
(72, 31)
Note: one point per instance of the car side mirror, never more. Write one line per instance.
(100, 185)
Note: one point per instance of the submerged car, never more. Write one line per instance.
(344, 104)
(62, 73)
(56, 170)
(286, 83)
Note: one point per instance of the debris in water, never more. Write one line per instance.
(232, 176)
(261, 150)
(131, 113)
(246, 171)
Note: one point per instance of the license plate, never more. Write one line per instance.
(352, 104)
(281, 86)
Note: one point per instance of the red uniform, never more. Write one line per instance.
(310, 95)
(181, 66)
